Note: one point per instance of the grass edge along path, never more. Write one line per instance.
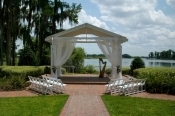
(134, 106)
(33, 106)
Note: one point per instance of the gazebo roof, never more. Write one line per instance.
(85, 28)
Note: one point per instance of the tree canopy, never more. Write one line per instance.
(137, 63)
(77, 59)
(126, 56)
(32, 21)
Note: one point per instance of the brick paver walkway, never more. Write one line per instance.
(84, 100)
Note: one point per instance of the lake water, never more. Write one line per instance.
(126, 62)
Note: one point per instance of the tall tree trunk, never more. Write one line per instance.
(13, 50)
(54, 17)
(9, 43)
(1, 43)
(1, 33)
(9, 30)
(40, 43)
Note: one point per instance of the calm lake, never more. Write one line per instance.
(126, 62)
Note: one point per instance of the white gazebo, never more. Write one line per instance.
(63, 43)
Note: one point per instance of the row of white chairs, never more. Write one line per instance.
(46, 85)
(58, 85)
(40, 85)
(129, 87)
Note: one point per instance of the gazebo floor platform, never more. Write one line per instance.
(83, 79)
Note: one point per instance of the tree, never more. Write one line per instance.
(27, 57)
(137, 63)
(126, 56)
(19, 19)
(151, 55)
(77, 59)
(1, 31)
(173, 55)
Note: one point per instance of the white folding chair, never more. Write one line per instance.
(58, 86)
(126, 88)
(142, 85)
(45, 87)
(113, 85)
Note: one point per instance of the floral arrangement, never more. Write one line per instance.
(118, 69)
(54, 69)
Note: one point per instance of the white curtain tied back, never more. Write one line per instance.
(111, 49)
(64, 50)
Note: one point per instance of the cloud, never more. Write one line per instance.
(141, 42)
(147, 29)
(139, 14)
(171, 2)
(83, 17)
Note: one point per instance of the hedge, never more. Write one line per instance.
(159, 80)
(125, 71)
(15, 77)
(21, 71)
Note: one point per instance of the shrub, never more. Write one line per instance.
(90, 69)
(12, 83)
(1, 68)
(63, 70)
(47, 70)
(137, 63)
(83, 70)
(15, 77)
(22, 71)
(108, 71)
(159, 80)
(126, 71)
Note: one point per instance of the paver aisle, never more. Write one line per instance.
(84, 100)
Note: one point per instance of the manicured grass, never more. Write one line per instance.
(133, 106)
(32, 106)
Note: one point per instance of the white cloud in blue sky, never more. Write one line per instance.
(149, 25)
(171, 2)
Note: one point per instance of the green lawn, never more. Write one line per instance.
(32, 106)
(132, 106)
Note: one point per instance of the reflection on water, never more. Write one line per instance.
(161, 64)
(126, 62)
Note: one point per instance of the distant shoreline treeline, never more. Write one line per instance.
(164, 55)
(94, 56)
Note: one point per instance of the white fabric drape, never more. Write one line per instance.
(63, 51)
(111, 49)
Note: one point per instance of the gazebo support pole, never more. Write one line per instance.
(120, 61)
(52, 62)
(58, 71)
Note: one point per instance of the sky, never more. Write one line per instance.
(149, 25)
